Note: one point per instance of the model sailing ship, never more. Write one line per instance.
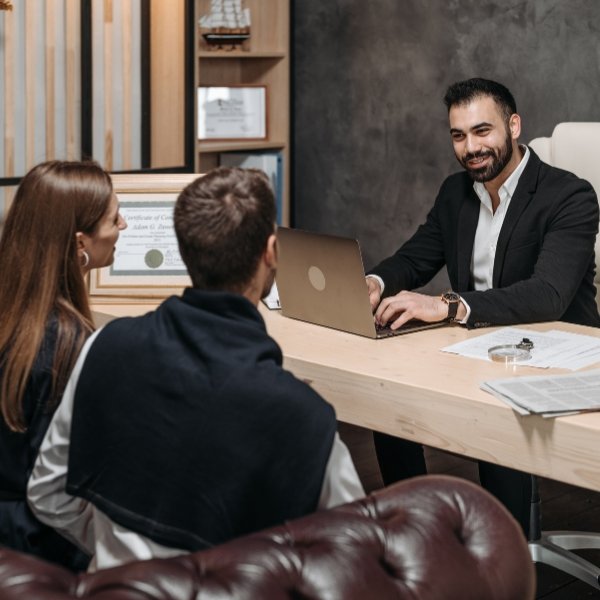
(227, 25)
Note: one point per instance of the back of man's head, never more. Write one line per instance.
(223, 221)
(464, 92)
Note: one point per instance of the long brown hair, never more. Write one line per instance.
(42, 278)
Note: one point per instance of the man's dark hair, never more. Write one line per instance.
(223, 221)
(464, 92)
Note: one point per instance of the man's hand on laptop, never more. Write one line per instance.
(404, 306)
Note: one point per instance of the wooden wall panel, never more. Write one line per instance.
(40, 84)
(41, 97)
(41, 91)
(126, 53)
(116, 60)
(10, 39)
(31, 17)
(73, 78)
(40, 102)
(50, 74)
(167, 57)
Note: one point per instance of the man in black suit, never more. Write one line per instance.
(517, 237)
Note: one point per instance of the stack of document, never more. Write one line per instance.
(548, 396)
(555, 348)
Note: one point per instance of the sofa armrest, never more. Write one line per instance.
(430, 538)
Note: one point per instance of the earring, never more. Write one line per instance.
(86, 258)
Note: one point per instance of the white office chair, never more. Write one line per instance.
(574, 147)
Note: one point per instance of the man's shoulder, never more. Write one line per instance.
(552, 174)
(125, 336)
(140, 322)
(458, 179)
(458, 182)
(562, 186)
(548, 175)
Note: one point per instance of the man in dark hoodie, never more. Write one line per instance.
(180, 429)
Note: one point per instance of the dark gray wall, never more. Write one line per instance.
(371, 142)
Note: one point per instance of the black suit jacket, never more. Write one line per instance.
(544, 265)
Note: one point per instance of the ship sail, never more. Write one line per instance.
(226, 17)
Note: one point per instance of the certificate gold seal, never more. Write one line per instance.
(154, 258)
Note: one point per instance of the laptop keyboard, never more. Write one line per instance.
(386, 330)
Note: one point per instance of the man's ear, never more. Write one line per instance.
(514, 124)
(271, 252)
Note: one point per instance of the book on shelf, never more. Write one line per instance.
(271, 162)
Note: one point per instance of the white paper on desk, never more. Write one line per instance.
(550, 394)
(478, 347)
(272, 298)
(506, 399)
(584, 351)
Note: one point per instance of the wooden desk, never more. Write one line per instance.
(406, 387)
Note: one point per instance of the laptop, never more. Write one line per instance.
(321, 280)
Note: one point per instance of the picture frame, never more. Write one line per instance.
(147, 263)
(229, 113)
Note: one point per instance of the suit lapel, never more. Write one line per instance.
(518, 203)
(467, 225)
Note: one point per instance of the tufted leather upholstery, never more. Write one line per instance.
(575, 147)
(428, 538)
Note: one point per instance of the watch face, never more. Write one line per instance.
(450, 297)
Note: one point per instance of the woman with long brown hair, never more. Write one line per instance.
(64, 221)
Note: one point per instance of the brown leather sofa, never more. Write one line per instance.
(428, 538)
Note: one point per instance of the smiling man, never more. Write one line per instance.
(517, 237)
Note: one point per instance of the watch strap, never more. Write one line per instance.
(452, 299)
(452, 310)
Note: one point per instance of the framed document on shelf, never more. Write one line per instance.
(147, 262)
(232, 113)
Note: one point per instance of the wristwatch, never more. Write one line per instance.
(452, 299)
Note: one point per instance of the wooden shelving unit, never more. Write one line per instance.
(262, 60)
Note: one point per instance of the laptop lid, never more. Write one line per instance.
(321, 279)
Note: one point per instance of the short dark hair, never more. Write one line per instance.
(223, 221)
(464, 92)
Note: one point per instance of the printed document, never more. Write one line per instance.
(554, 348)
(549, 396)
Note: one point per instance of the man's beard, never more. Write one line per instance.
(500, 158)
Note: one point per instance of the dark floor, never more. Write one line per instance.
(564, 507)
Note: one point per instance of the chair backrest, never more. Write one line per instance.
(575, 147)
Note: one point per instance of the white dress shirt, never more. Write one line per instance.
(108, 543)
(490, 224)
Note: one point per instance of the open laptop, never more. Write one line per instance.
(321, 279)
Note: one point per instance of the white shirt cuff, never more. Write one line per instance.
(378, 280)
(464, 321)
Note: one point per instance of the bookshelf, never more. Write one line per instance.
(261, 60)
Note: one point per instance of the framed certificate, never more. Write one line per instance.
(147, 262)
(232, 113)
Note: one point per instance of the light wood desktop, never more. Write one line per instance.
(406, 387)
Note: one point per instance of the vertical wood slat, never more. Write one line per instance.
(50, 75)
(108, 112)
(9, 97)
(126, 74)
(167, 61)
(72, 34)
(30, 87)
